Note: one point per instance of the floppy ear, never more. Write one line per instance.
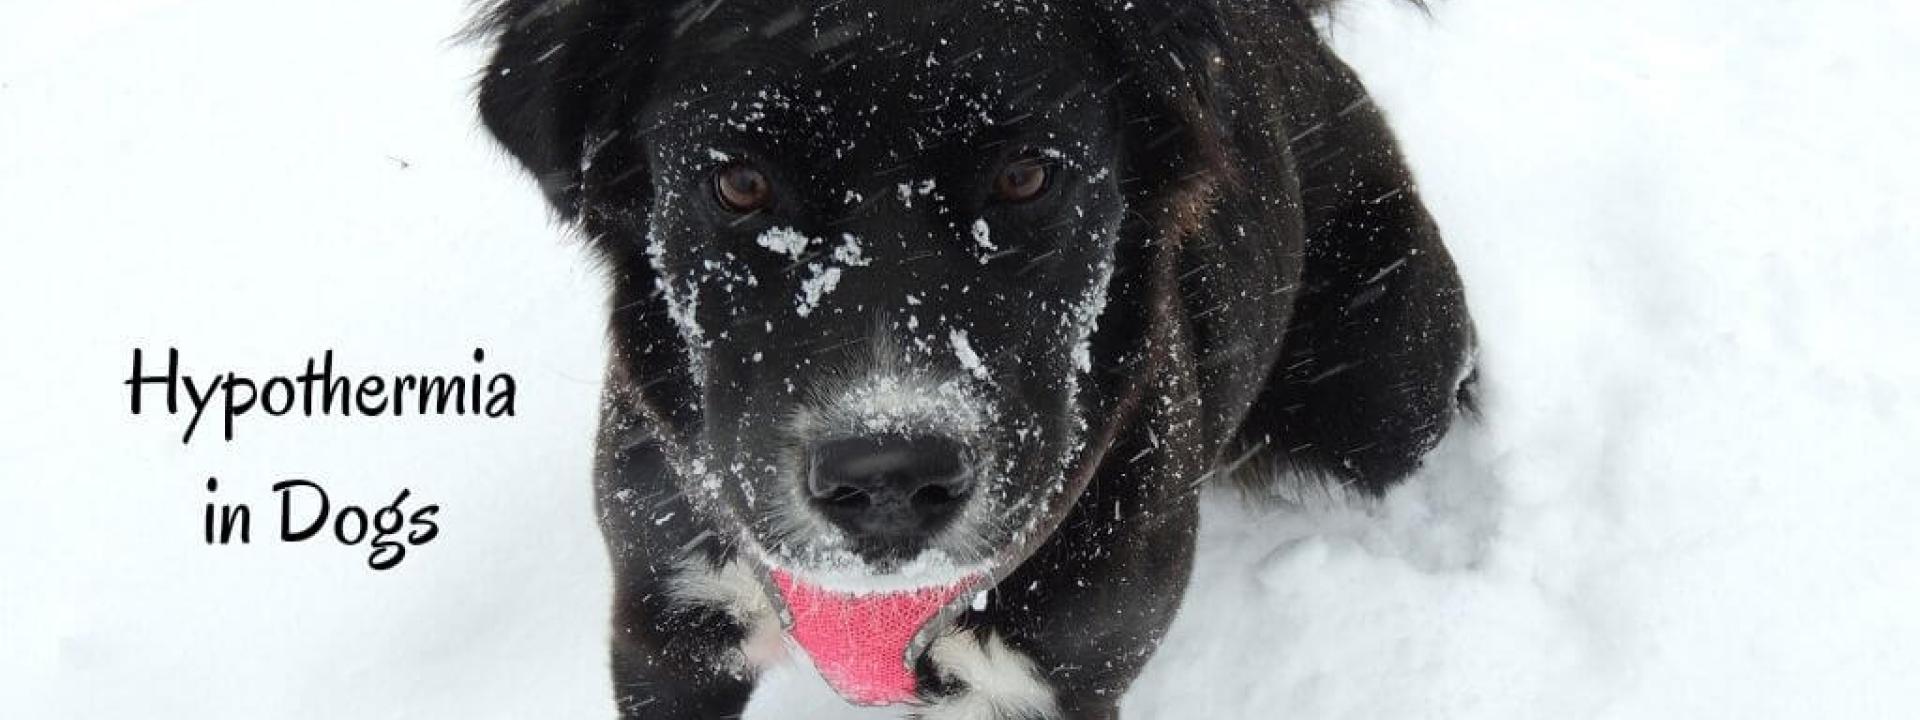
(1169, 59)
(562, 70)
(555, 63)
(1169, 54)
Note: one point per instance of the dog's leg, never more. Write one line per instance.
(682, 620)
(1091, 608)
(1066, 634)
(669, 663)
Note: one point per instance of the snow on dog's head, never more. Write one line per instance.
(858, 270)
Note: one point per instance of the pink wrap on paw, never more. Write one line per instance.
(859, 642)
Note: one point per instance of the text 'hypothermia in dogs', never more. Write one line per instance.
(317, 390)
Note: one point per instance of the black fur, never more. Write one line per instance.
(1278, 294)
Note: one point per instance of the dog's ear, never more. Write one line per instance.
(555, 63)
(1169, 56)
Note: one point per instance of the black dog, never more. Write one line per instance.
(943, 311)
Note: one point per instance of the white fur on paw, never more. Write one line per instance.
(735, 590)
(999, 681)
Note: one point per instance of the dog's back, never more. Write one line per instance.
(1377, 360)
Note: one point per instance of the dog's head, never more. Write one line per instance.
(863, 251)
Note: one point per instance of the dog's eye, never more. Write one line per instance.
(741, 188)
(1024, 178)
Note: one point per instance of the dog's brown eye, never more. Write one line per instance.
(1023, 179)
(741, 188)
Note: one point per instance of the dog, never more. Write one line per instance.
(930, 320)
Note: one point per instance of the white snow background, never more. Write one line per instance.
(1688, 232)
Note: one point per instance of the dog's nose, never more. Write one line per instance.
(890, 486)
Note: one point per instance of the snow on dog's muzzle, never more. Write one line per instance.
(866, 644)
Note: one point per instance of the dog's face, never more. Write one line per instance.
(878, 238)
(885, 239)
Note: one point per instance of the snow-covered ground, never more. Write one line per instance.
(1689, 232)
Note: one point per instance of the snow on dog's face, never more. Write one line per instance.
(860, 249)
